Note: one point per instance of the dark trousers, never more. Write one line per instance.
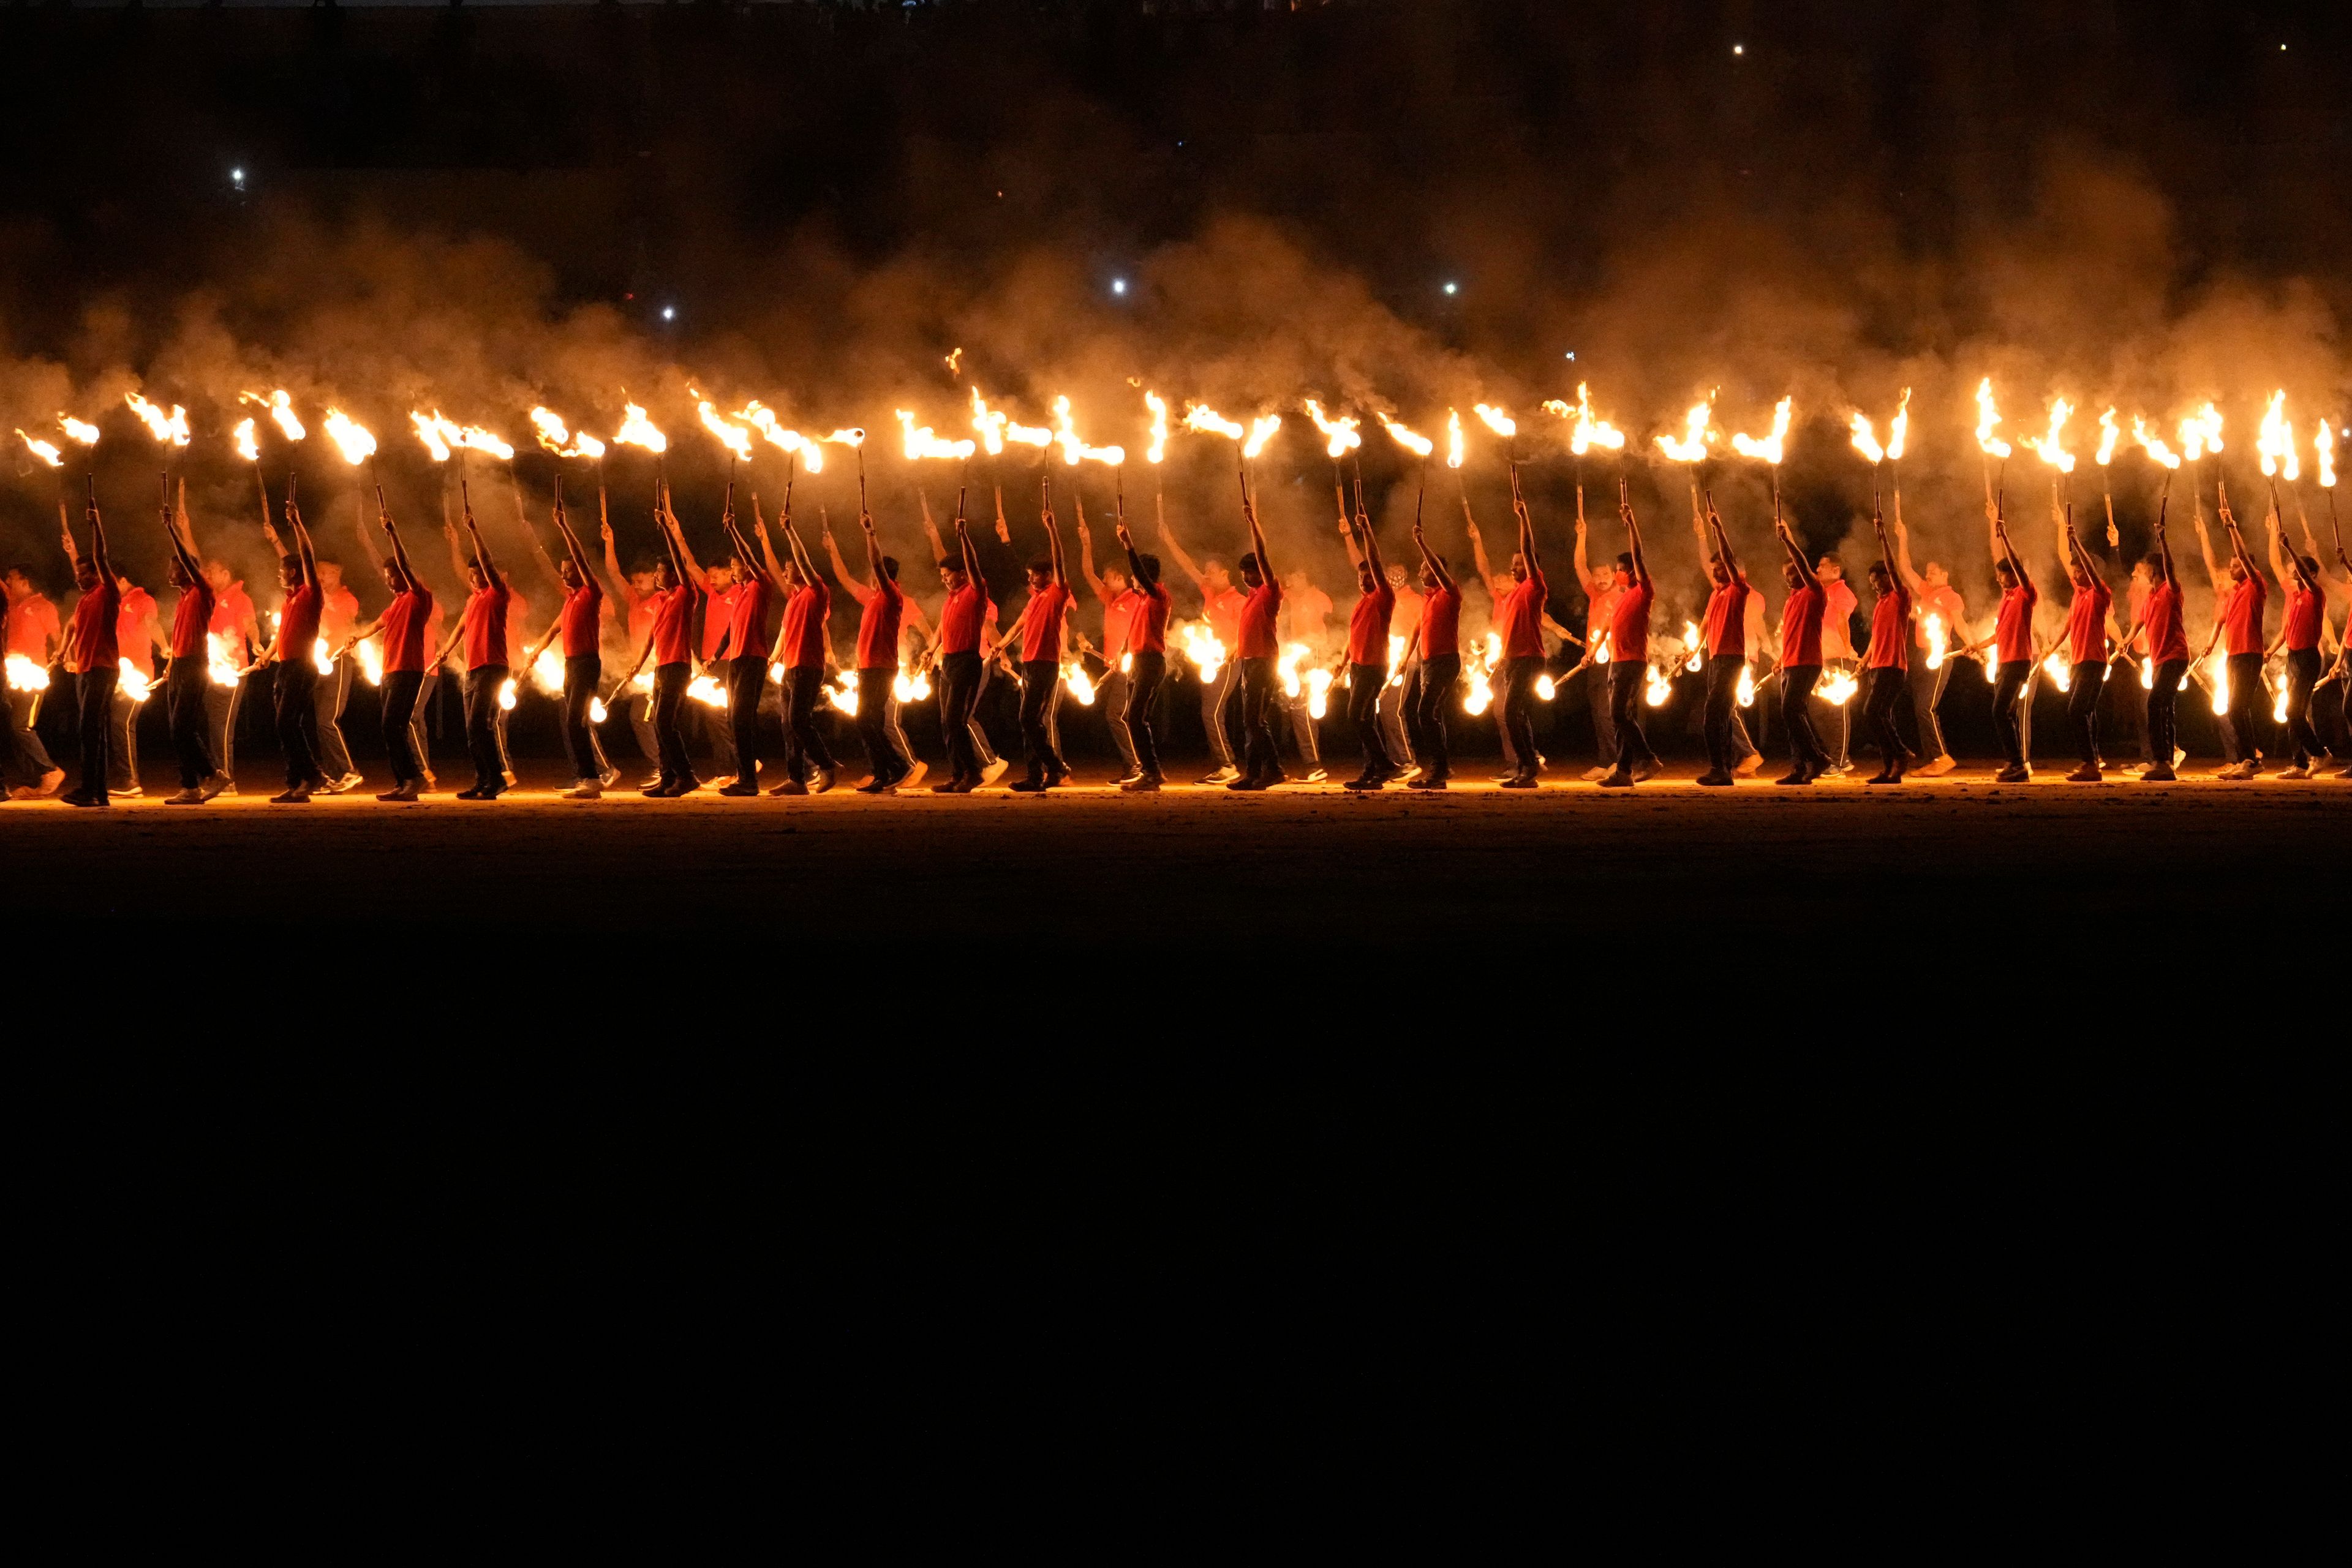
(1214, 696)
(2006, 719)
(2246, 695)
(715, 726)
(2089, 678)
(637, 707)
(32, 757)
(1805, 747)
(1425, 697)
(583, 675)
(94, 713)
(1150, 670)
(183, 701)
(122, 753)
(877, 724)
(670, 681)
(222, 706)
(298, 721)
(1393, 730)
(1364, 683)
(420, 728)
(1604, 721)
(1625, 681)
(330, 695)
(2164, 711)
(1041, 691)
(401, 689)
(482, 692)
(1887, 685)
(2302, 674)
(1261, 690)
(1722, 690)
(804, 746)
(1111, 696)
(1302, 724)
(745, 679)
(1519, 677)
(1928, 700)
(960, 676)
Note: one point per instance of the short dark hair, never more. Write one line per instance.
(890, 567)
(2153, 560)
(1149, 566)
(1250, 562)
(1043, 566)
(290, 563)
(2310, 565)
(1625, 559)
(15, 569)
(644, 567)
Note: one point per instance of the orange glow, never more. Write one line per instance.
(1865, 441)
(352, 440)
(733, 436)
(1500, 423)
(1420, 446)
(1988, 421)
(2276, 441)
(1692, 447)
(1074, 451)
(1586, 432)
(48, 452)
(2200, 432)
(1157, 450)
(1772, 447)
(1261, 431)
(636, 430)
(2052, 448)
(556, 438)
(246, 447)
(2323, 446)
(1899, 427)
(172, 429)
(81, 430)
(763, 419)
(1339, 434)
(2153, 444)
(920, 442)
(280, 407)
(2109, 434)
(1200, 417)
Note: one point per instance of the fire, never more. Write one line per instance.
(1546, 690)
(920, 442)
(843, 695)
(280, 407)
(1206, 652)
(2278, 709)
(2200, 432)
(352, 440)
(1659, 686)
(706, 690)
(734, 437)
(1453, 439)
(763, 419)
(995, 428)
(2052, 448)
(172, 429)
(1080, 684)
(1074, 450)
(1396, 661)
(636, 430)
(322, 657)
(855, 436)
(247, 447)
(1697, 660)
(222, 669)
(2218, 674)
(24, 675)
(2055, 666)
(1157, 450)
(1418, 445)
(1992, 663)
(429, 431)
(133, 684)
(1601, 650)
(558, 439)
(1316, 681)
(2153, 444)
(1771, 447)
(1500, 423)
(506, 695)
(2323, 446)
(597, 711)
(547, 673)
(644, 681)
(371, 656)
(48, 452)
(1865, 440)
(1478, 669)
(2109, 434)
(1988, 421)
(1586, 432)
(2276, 441)
(955, 362)
(81, 430)
(1261, 431)
(912, 687)
(1339, 434)
(1200, 417)
(1838, 689)
(1692, 447)
(2148, 674)
(1746, 687)
(1898, 427)
(1932, 624)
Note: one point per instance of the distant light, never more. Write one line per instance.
(1571, 353)
(1739, 48)
(669, 312)
(237, 176)
(1454, 288)
(1119, 285)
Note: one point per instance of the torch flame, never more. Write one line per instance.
(843, 694)
(1746, 687)
(764, 420)
(2060, 673)
(1209, 422)
(79, 429)
(1500, 423)
(1261, 431)
(2109, 434)
(429, 430)
(1932, 626)
(560, 441)
(706, 690)
(922, 442)
(1987, 420)
(2200, 432)
(48, 452)
(172, 429)
(734, 437)
(2323, 446)
(2153, 444)
(218, 666)
(1157, 450)
(1074, 450)
(1418, 445)
(2276, 441)
(1588, 432)
(24, 675)
(1081, 684)
(280, 407)
(547, 673)
(597, 712)
(636, 430)
(1898, 427)
(352, 440)
(1838, 689)
(853, 437)
(990, 424)
(2051, 448)
(370, 662)
(955, 363)
(130, 683)
(322, 657)
(246, 447)
(1204, 651)
(1865, 441)
(1692, 447)
(1771, 447)
(1453, 439)
(1339, 434)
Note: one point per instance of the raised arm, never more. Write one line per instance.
(303, 550)
(571, 546)
(931, 532)
(2213, 574)
(1722, 539)
(1903, 569)
(615, 579)
(675, 532)
(1190, 567)
(180, 551)
(2007, 552)
(399, 549)
(1257, 539)
(860, 591)
(1796, 554)
(1444, 579)
(2284, 563)
(1359, 534)
(873, 553)
(1054, 541)
(1086, 555)
(490, 569)
(1477, 543)
(800, 553)
(1593, 587)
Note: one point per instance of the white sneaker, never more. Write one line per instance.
(1594, 776)
(219, 783)
(994, 770)
(586, 789)
(133, 793)
(915, 775)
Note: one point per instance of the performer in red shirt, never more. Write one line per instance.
(882, 606)
(761, 580)
(2086, 649)
(1521, 613)
(1148, 638)
(1800, 661)
(1932, 597)
(1404, 623)
(804, 647)
(963, 668)
(579, 622)
(2238, 625)
(1887, 668)
(1601, 589)
(2161, 623)
(2306, 610)
(1838, 606)
(1257, 646)
(137, 633)
(296, 661)
(640, 593)
(668, 641)
(33, 636)
(1629, 642)
(1726, 636)
(1040, 660)
(1366, 657)
(1438, 669)
(403, 626)
(482, 628)
(1220, 607)
(1121, 603)
(91, 656)
(339, 612)
(185, 678)
(2013, 642)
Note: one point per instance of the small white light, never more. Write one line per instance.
(669, 312)
(1739, 48)
(237, 176)
(1454, 288)
(1119, 285)
(1571, 353)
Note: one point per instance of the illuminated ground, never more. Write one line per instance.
(1670, 861)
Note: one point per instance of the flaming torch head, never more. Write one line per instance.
(1418, 445)
(2153, 444)
(1586, 432)
(1988, 421)
(2200, 432)
(1771, 447)
(2051, 448)
(1865, 440)
(2323, 450)
(990, 424)
(247, 447)
(2109, 434)
(1340, 434)
(434, 431)
(1692, 447)
(81, 430)
(2276, 441)
(280, 407)
(1898, 427)
(636, 430)
(1500, 423)
(352, 440)
(1157, 450)
(172, 429)
(1261, 431)
(733, 436)
(1453, 439)
(1200, 417)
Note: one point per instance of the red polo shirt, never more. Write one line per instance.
(878, 627)
(404, 629)
(1367, 626)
